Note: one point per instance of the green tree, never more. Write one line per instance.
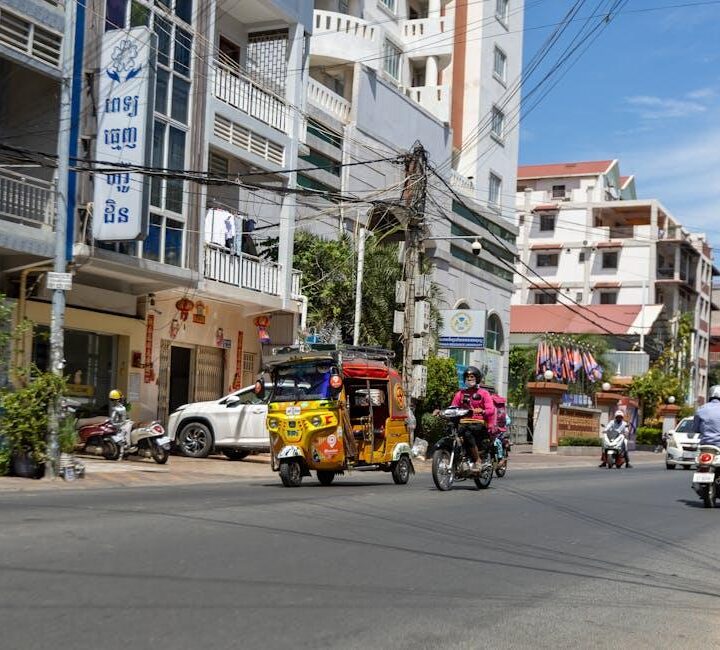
(442, 383)
(521, 371)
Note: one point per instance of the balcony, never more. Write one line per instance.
(462, 184)
(627, 364)
(340, 37)
(26, 200)
(246, 272)
(434, 99)
(245, 94)
(428, 36)
(328, 101)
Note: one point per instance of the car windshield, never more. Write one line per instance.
(686, 426)
(302, 381)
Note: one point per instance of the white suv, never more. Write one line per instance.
(682, 445)
(234, 425)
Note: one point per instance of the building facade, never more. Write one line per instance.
(586, 239)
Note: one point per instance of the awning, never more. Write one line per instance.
(610, 244)
(546, 247)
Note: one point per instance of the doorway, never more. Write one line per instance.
(180, 372)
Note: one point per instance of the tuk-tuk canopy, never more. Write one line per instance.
(365, 369)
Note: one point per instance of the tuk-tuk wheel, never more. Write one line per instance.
(325, 476)
(401, 471)
(291, 473)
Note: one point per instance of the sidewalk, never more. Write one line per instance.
(179, 470)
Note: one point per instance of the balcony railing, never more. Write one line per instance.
(329, 101)
(627, 364)
(429, 33)
(240, 91)
(435, 99)
(461, 183)
(26, 200)
(246, 271)
(345, 38)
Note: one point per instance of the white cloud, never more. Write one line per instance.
(684, 176)
(702, 93)
(649, 107)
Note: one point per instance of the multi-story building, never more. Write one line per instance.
(171, 318)
(586, 238)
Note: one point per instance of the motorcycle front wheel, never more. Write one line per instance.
(159, 454)
(442, 470)
(111, 450)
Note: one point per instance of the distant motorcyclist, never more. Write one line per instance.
(483, 410)
(616, 427)
(707, 419)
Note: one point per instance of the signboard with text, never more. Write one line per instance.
(124, 139)
(463, 328)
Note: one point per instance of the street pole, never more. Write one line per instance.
(57, 314)
(358, 285)
(413, 196)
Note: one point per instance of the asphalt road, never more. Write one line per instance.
(568, 558)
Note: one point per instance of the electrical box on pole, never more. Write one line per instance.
(422, 317)
(422, 286)
(420, 348)
(418, 386)
(398, 322)
(400, 291)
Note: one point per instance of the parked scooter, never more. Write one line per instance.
(613, 454)
(101, 437)
(706, 481)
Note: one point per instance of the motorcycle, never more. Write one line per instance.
(500, 455)
(450, 460)
(706, 480)
(116, 442)
(613, 453)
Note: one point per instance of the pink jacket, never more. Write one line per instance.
(480, 402)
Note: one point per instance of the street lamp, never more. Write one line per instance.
(549, 374)
(606, 386)
(671, 399)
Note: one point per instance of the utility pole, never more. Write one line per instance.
(358, 285)
(58, 280)
(413, 198)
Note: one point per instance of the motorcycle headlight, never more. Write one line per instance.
(273, 423)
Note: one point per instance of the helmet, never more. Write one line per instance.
(115, 394)
(620, 414)
(473, 370)
(715, 392)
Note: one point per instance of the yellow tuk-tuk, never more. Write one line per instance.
(337, 410)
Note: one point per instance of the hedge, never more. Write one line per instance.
(648, 436)
(577, 441)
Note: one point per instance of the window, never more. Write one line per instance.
(502, 10)
(497, 127)
(608, 297)
(391, 60)
(165, 240)
(323, 133)
(610, 260)
(218, 165)
(547, 259)
(581, 256)
(494, 189)
(547, 222)
(542, 298)
(500, 65)
(579, 296)
(317, 159)
(558, 191)
(389, 4)
(494, 333)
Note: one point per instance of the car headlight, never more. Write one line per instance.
(272, 423)
(671, 441)
(316, 421)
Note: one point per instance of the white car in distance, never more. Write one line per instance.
(233, 425)
(682, 445)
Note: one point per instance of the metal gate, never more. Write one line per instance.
(209, 373)
(163, 381)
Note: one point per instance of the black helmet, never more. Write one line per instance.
(473, 370)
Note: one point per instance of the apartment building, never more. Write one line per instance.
(181, 314)
(586, 238)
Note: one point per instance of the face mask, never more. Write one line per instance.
(471, 382)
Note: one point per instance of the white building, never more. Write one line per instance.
(586, 238)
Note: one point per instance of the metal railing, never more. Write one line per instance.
(27, 200)
(246, 271)
(243, 93)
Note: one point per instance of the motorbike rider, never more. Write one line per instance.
(483, 410)
(118, 412)
(617, 426)
(707, 419)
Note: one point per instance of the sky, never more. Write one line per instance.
(647, 92)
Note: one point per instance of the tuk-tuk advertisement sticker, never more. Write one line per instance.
(329, 446)
(399, 395)
(293, 411)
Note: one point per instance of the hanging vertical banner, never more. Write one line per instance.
(237, 379)
(149, 330)
(125, 112)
